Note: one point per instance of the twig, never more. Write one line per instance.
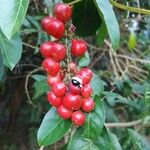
(133, 59)
(31, 46)
(123, 124)
(26, 84)
(131, 9)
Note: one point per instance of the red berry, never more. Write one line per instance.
(59, 89)
(51, 66)
(71, 101)
(74, 89)
(85, 74)
(87, 105)
(86, 91)
(63, 112)
(62, 12)
(73, 67)
(46, 49)
(78, 47)
(58, 52)
(53, 100)
(53, 80)
(56, 28)
(45, 21)
(62, 75)
(78, 118)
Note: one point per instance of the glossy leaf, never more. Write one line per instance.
(94, 120)
(105, 10)
(12, 15)
(39, 77)
(84, 60)
(52, 128)
(97, 85)
(103, 141)
(11, 50)
(101, 34)
(138, 140)
(115, 141)
(41, 87)
(80, 143)
(86, 18)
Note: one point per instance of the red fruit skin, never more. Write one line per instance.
(87, 105)
(53, 100)
(62, 12)
(58, 52)
(74, 89)
(53, 80)
(78, 118)
(72, 102)
(78, 47)
(62, 75)
(63, 112)
(46, 49)
(56, 28)
(59, 89)
(51, 66)
(85, 74)
(86, 91)
(45, 21)
(73, 67)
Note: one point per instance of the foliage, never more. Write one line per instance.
(120, 82)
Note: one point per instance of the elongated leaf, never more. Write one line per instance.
(12, 15)
(86, 18)
(103, 141)
(78, 142)
(101, 34)
(115, 141)
(94, 120)
(138, 140)
(11, 50)
(97, 85)
(106, 10)
(52, 128)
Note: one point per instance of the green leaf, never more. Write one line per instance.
(41, 88)
(80, 143)
(103, 141)
(11, 50)
(52, 128)
(132, 41)
(39, 77)
(138, 140)
(12, 15)
(86, 18)
(95, 120)
(101, 34)
(1, 68)
(114, 141)
(97, 85)
(109, 17)
(84, 60)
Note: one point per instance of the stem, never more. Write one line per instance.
(123, 124)
(31, 46)
(131, 9)
(68, 58)
(26, 84)
(76, 1)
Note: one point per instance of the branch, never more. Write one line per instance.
(131, 9)
(26, 84)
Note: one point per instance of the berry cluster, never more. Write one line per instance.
(70, 89)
